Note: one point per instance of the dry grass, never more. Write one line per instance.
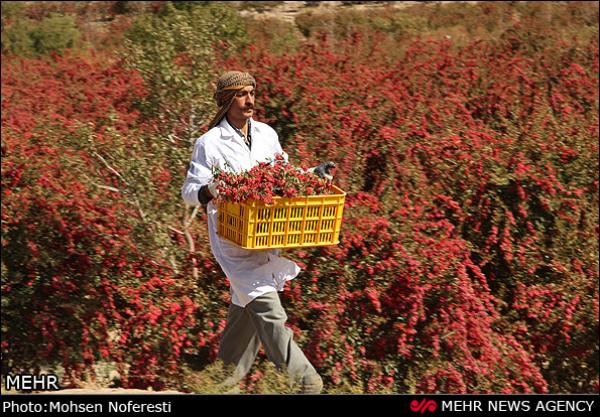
(217, 378)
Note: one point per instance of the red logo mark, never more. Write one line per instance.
(424, 405)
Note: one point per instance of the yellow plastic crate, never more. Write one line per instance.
(297, 222)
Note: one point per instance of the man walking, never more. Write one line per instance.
(236, 142)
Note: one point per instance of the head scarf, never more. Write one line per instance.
(227, 87)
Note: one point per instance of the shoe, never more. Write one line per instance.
(311, 384)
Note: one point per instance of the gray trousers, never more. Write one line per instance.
(261, 321)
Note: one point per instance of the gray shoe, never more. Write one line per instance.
(311, 384)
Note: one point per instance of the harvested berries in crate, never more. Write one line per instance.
(274, 205)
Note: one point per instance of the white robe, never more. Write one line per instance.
(251, 273)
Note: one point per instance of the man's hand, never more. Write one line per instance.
(208, 192)
(323, 170)
(213, 189)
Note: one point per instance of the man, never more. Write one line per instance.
(236, 142)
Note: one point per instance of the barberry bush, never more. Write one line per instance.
(476, 169)
(468, 259)
(93, 257)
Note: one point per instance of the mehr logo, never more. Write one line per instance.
(29, 382)
(423, 405)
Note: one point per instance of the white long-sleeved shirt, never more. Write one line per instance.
(251, 273)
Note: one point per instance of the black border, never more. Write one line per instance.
(270, 404)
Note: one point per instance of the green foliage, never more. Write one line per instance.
(11, 10)
(25, 37)
(259, 6)
(457, 20)
(174, 53)
(16, 39)
(55, 33)
(188, 5)
(146, 167)
(275, 35)
(340, 24)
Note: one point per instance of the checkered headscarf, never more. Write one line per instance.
(227, 87)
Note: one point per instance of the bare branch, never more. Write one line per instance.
(175, 230)
(187, 220)
(106, 187)
(111, 169)
(191, 219)
(114, 171)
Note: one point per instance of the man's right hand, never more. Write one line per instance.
(213, 189)
(208, 192)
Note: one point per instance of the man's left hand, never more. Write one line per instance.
(323, 170)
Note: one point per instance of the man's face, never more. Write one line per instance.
(243, 104)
